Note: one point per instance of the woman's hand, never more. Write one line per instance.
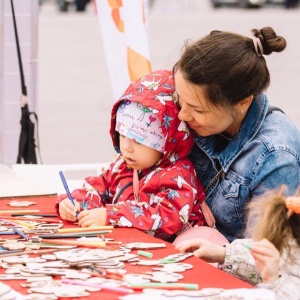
(92, 217)
(67, 210)
(266, 259)
(203, 249)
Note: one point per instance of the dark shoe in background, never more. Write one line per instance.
(63, 5)
(291, 3)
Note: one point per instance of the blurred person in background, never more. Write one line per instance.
(80, 5)
(291, 3)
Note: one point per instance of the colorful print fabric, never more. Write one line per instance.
(170, 192)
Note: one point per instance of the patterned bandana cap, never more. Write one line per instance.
(141, 124)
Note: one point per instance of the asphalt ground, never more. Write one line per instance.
(74, 92)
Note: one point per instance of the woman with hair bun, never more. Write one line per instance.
(243, 147)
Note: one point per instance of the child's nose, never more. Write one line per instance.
(128, 144)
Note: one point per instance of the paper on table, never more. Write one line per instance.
(13, 185)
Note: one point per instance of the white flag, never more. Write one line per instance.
(122, 24)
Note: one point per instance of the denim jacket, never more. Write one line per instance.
(262, 156)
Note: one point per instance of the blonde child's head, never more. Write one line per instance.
(275, 217)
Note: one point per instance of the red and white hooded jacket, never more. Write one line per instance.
(170, 193)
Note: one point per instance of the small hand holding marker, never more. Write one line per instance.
(247, 246)
(67, 189)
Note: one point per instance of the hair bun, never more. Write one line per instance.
(271, 42)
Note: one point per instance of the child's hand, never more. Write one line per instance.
(92, 217)
(204, 249)
(67, 210)
(266, 259)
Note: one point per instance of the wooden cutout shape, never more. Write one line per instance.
(20, 203)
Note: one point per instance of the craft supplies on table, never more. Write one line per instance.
(74, 243)
(145, 253)
(32, 218)
(19, 211)
(114, 265)
(113, 289)
(35, 215)
(80, 229)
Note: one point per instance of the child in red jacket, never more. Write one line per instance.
(151, 184)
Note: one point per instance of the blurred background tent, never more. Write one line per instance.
(125, 40)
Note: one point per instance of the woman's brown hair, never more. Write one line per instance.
(267, 218)
(228, 65)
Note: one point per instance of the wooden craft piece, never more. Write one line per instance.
(39, 278)
(75, 291)
(37, 296)
(4, 289)
(7, 212)
(176, 267)
(20, 203)
(14, 246)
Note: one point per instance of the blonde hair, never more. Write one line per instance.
(268, 218)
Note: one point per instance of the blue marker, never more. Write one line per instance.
(67, 189)
(19, 232)
(7, 233)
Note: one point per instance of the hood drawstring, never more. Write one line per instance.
(136, 188)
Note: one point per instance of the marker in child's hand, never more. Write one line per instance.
(247, 246)
(67, 189)
(19, 232)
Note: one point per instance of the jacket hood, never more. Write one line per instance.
(156, 90)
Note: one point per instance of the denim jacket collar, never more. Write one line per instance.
(250, 126)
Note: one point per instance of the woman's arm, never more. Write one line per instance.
(278, 168)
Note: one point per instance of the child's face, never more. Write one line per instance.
(138, 156)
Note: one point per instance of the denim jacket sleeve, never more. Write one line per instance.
(276, 168)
